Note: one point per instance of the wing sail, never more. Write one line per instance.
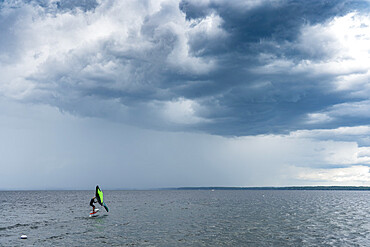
(106, 208)
(99, 197)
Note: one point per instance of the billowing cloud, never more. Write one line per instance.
(250, 67)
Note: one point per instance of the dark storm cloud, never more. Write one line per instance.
(273, 28)
(280, 20)
(286, 98)
(221, 67)
(85, 5)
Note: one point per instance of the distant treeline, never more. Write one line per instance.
(278, 188)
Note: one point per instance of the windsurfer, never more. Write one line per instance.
(92, 201)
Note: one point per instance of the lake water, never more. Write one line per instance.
(187, 218)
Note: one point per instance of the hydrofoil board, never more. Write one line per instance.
(95, 213)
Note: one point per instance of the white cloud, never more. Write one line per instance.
(357, 109)
(338, 47)
(351, 109)
(314, 118)
(355, 132)
(344, 41)
(356, 84)
(354, 175)
(182, 111)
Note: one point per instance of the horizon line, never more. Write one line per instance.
(311, 187)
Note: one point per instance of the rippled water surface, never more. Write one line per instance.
(187, 218)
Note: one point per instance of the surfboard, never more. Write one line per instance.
(95, 213)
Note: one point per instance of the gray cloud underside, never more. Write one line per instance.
(240, 77)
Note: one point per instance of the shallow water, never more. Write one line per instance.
(187, 218)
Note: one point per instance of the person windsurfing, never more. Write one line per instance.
(92, 201)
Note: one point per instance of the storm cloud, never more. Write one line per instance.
(220, 67)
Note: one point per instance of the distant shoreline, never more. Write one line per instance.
(278, 188)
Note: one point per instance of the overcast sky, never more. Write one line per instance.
(168, 93)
